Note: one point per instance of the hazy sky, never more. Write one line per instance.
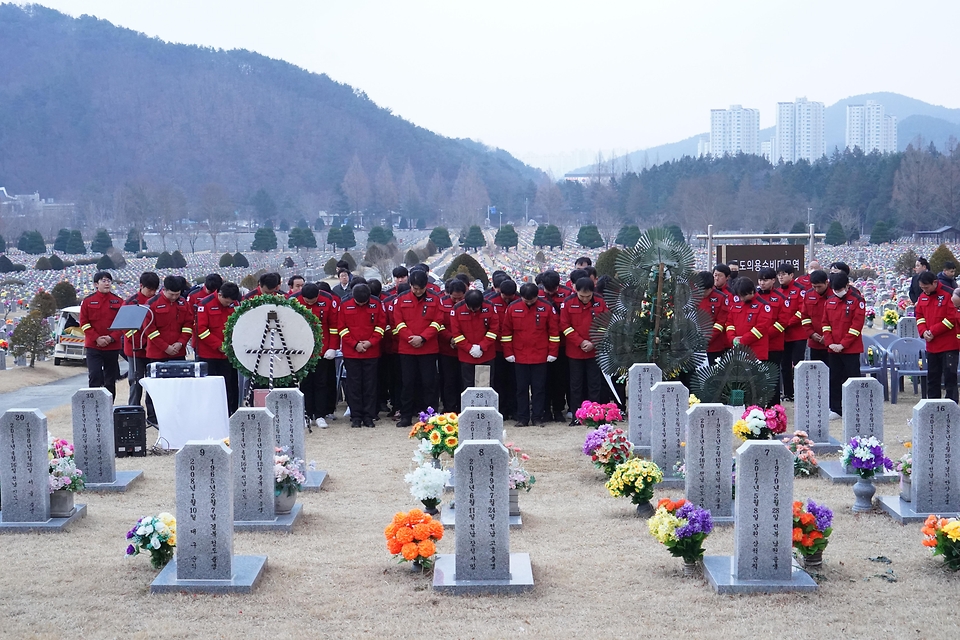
(554, 77)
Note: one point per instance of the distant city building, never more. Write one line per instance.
(870, 128)
(31, 205)
(766, 150)
(734, 130)
(703, 145)
(800, 132)
(587, 178)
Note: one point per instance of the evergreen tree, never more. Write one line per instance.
(101, 242)
(32, 242)
(284, 225)
(63, 238)
(333, 237)
(628, 236)
(3, 244)
(474, 239)
(330, 267)
(380, 235)
(347, 239)
(56, 263)
(606, 264)
(798, 227)
(552, 237)
(178, 260)
(589, 237)
(676, 232)
(411, 258)
(538, 236)
(30, 337)
(441, 238)
(65, 294)
(6, 266)
(467, 261)
(302, 223)
(351, 262)
(941, 255)
(226, 260)
(240, 260)
(133, 241)
(318, 225)
(264, 205)
(164, 261)
(43, 264)
(105, 262)
(264, 240)
(301, 237)
(906, 262)
(421, 224)
(880, 233)
(507, 237)
(835, 235)
(75, 243)
(44, 303)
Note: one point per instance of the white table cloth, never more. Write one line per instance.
(189, 409)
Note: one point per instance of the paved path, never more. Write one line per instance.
(48, 396)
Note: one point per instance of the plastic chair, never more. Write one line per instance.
(878, 369)
(907, 357)
(884, 339)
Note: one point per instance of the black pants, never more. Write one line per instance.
(450, 378)
(136, 371)
(391, 362)
(505, 384)
(792, 355)
(468, 374)
(419, 379)
(103, 369)
(318, 389)
(821, 355)
(222, 367)
(531, 380)
(843, 366)
(942, 366)
(362, 389)
(558, 376)
(774, 358)
(586, 381)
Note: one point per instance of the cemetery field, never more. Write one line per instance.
(16, 378)
(598, 571)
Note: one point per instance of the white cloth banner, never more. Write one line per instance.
(189, 409)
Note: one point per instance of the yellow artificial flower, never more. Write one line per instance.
(663, 524)
(172, 540)
(451, 442)
(908, 445)
(439, 420)
(168, 519)
(952, 530)
(693, 400)
(435, 437)
(741, 430)
(449, 429)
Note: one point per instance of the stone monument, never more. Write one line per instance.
(670, 401)
(94, 448)
(286, 405)
(707, 461)
(640, 381)
(862, 416)
(479, 397)
(811, 409)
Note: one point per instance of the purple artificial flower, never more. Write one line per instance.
(698, 521)
(595, 438)
(131, 533)
(130, 550)
(425, 415)
(822, 513)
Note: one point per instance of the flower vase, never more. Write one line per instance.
(645, 509)
(435, 462)
(430, 506)
(863, 490)
(416, 566)
(905, 488)
(61, 504)
(869, 322)
(689, 569)
(813, 561)
(890, 327)
(514, 502)
(283, 503)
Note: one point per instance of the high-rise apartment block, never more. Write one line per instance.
(800, 132)
(870, 128)
(734, 130)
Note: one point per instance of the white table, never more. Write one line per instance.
(189, 409)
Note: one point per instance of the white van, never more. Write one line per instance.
(69, 337)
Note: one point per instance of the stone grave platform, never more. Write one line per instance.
(831, 446)
(282, 523)
(520, 580)
(901, 510)
(718, 570)
(53, 525)
(314, 481)
(120, 485)
(247, 571)
(835, 472)
(448, 518)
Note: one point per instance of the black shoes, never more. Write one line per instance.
(574, 423)
(355, 424)
(368, 423)
(405, 422)
(520, 423)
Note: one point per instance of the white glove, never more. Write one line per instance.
(551, 358)
(510, 359)
(475, 351)
(330, 354)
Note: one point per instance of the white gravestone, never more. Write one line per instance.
(763, 540)
(479, 397)
(670, 403)
(640, 381)
(707, 461)
(286, 405)
(483, 562)
(935, 481)
(862, 416)
(907, 327)
(480, 423)
(811, 409)
(94, 447)
(204, 560)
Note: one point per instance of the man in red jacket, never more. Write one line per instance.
(212, 314)
(172, 324)
(134, 346)
(716, 303)
(770, 294)
(794, 336)
(558, 373)
(319, 387)
(531, 340)
(750, 320)
(504, 373)
(362, 325)
(843, 316)
(938, 323)
(576, 315)
(812, 322)
(450, 377)
(475, 326)
(97, 312)
(417, 316)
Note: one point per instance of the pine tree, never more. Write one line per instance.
(350, 260)
(101, 242)
(552, 237)
(507, 237)
(240, 260)
(411, 258)
(43, 264)
(65, 294)
(32, 242)
(475, 238)
(264, 240)
(56, 263)
(330, 267)
(44, 303)
(333, 237)
(835, 236)
(301, 237)
(164, 261)
(75, 243)
(63, 238)
(628, 236)
(467, 261)
(441, 237)
(347, 239)
(380, 235)
(178, 260)
(30, 337)
(589, 237)
(226, 260)
(132, 244)
(538, 236)
(941, 255)
(880, 233)
(3, 244)
(606, 264)
(105, 262)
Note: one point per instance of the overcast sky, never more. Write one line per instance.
(539, 78)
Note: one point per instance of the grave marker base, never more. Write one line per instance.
(672, 482)
(448, 518)
(53, 525)
(835, 472)
(314, 481)
(718, 571)
(121, 484)
(902, 511)
(831, 446)
(445, 580)
(247, 571)
(641, 452)
(282, 523)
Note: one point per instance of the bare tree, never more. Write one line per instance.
(469, 200)
(356, 186)
(437, 196)
(384, 189)
(914, 186)
(948, 184)
(139, 208)
(548, 202)
(608, 224)
(701, 201)
(408, 190)
(215, 209)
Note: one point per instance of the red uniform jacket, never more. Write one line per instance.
(575, 321)
(417, 317)
(211, 318)
(446, 329)
(717, 304)
(530, 333)
(500, 306)
(804, 282)
(172, 322)
(751, 322)
(813, 305)
(134, 338)
(843, 321)
(470, 327)
(359, 322)
(325, 308)
(936, 314)
(781, 315)
(793, 299)
(97, 312)
(389, 343)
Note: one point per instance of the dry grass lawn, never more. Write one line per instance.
(42, 373)
(598, 571)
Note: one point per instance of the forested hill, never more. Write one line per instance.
(84, 102)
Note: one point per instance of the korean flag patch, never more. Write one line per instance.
(861, 305)
(766, 308)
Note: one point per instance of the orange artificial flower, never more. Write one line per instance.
(436, 529)
(394, 546)
(806, 541)
(797, 534)
(450, 442)
(410, 551)
(390, 530)
(415, 515)
(815, 535)
(807, 519)
(404, 535)
(399, 518)
(427, 548)
(664, 502)
(421, 531)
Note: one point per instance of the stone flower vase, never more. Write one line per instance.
(905, 488)
(689, 569)
(430, 506)
(61, 504)
(283, 503)
(514, 502)
(869, 322)
(863, 490)
(813, 561)
(645, 509)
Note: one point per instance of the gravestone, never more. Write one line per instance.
(479, 397)
(907, 327)
(252, 441)
(286, 405)
(482, 562)
(707, 461)
(204, 561)
(3, 360)
(862, 416)
(25, 475)
(480, 423)
(640, 380)
(762, 560)
(93, 442)
(935, 481)
(669, 416)
(811, 409)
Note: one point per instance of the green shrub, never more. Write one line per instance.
(474, 269)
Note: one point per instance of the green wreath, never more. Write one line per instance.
(280, 301)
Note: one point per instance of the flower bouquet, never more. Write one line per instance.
(804, 461)
(156, 534)
(890, 318)
(692, 400)
(870, 314)
(614, 449)
(812, 527)
(426, 481)
(682, 527)
(594, 414)
(757, 423)
(943, 536)
(594, 439)
(288, 473)
(635, 478)
(904, 467)
(440, 429)
(63, 468)
(865, 456)
(517, 476)
(413, 536)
